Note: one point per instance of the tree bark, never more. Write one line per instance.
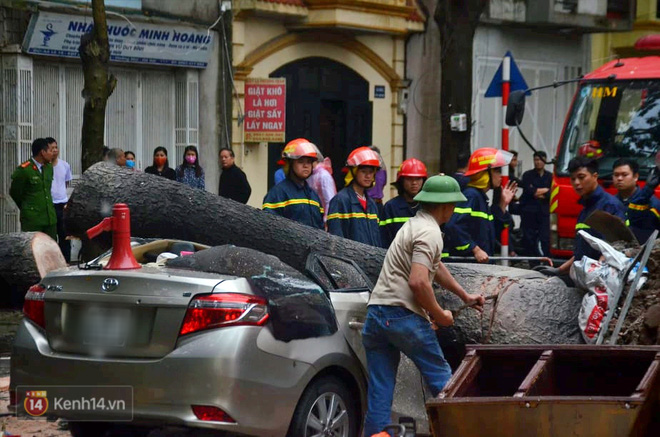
(95, 55)
(26, 257)
(457, 20)
(167, 209)
(533, 310)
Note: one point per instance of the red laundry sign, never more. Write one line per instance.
(265, 110)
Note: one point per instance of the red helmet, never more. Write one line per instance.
(299, 148)
(363, 156)
(413, 168)
(487, 157)
(590, 149)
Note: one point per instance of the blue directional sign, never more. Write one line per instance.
(517, 81)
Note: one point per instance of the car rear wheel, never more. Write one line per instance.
(326, 409)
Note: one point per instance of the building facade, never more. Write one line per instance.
(167, 62)
(608, 46)
(550, 40)
(344, 64)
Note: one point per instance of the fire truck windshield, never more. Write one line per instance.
(611, 120)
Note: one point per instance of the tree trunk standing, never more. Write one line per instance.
(95, 55)
(457, 20)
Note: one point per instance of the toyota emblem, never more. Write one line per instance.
(110, 284)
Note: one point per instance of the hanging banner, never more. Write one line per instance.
(59, 35)
(265, 110)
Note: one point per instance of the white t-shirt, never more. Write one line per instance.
(61, 175)
(418, 241)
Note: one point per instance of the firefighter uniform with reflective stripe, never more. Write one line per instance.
(642, 212)
(598, 200)
(295, 202)
(395, 213)
(474, 224)
(347, 218)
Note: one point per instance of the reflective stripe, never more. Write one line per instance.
(655, 211)
(463, 247)
(352, 215)
(394, 220)
(638, 207)
(479, 214)
(444, 255)
(292, 202)
(582, 226)
(554, 206)
(627, 222)
(555, 191)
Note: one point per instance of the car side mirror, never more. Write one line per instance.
(515, 108)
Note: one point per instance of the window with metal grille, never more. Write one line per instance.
(147, 109)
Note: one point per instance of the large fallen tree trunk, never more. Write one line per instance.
(164, 208)
(531, 309)
(26, 257)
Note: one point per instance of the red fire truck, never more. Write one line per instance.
(615, 113)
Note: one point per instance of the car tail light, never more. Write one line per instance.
(209, 413)
(224, 309)
(33, 308)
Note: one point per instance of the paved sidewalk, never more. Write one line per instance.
(22, 427)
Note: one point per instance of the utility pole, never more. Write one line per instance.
(99, 85)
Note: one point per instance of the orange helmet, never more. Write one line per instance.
(413, 168)
(487, 157)
(299, 148)
(590, 149)
(363, 156)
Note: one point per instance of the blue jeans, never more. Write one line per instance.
(388, 331)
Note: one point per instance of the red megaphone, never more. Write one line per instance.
(120, 224)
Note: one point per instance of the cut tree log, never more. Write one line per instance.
(533, 309)
(26, 257)
(166, 209)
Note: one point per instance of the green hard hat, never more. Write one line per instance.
(440, 189)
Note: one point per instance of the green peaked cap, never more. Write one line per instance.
(440, 189)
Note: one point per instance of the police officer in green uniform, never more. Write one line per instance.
(30, 189)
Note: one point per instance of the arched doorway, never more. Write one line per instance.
(327, 103)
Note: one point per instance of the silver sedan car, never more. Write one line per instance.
(270, 354)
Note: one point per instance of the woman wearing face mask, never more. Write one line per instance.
(130, 160)
(161, 166)
(190, 172)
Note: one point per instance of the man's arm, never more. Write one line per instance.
(421, 287)
(17, 188)
(444, 278)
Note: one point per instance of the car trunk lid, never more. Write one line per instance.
(120, 313)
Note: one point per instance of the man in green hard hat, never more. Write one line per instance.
(403, 312)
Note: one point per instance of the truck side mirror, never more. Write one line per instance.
(515, 108)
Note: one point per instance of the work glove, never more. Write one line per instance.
(653, 179)
(547, 270)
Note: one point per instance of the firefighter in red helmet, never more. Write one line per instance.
(409, 180)
(353, 214)
(475, 226)
(293, 198)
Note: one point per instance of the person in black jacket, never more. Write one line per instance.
(233, 182)
(535, 207)
(161, 165)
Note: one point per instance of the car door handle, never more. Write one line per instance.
(356, 324)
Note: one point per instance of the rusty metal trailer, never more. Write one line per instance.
(554, 390)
